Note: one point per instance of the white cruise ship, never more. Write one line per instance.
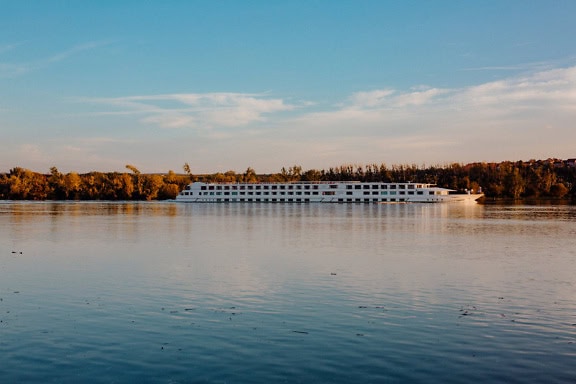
(321, 192)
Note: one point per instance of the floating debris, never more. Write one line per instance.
(302, 332)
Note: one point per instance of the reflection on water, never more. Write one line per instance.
(166, 292)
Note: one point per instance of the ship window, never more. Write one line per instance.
(242, 193)
(306, 187)
(384, 192)
(366, 192)
(410, 192)
(203, 188)
(265, 187)
(219, 187)
(348, 187)
(227, 193)
(315, 192)
(333, 186)
(430, 192)
(392, 192)
(315, 187)
(349, 193)
(402, 192)
(357, 187)
(419, 192)
(410, 186)
(274, 187)
(374, 192)
(366, 186)
(227, 187)
(384, 186)
(375, 186)
(211, 187)
(258, 186)
(402, 186)
(393, 186)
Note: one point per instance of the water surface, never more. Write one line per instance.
(218, 293)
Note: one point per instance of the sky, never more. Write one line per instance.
(226, 85)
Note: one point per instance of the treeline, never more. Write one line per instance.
(550, 178)
(23, 184)
(516, 180)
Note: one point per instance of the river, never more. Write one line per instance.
(162, 292)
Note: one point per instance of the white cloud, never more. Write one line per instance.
(370, 99)
(522, 117)
(204, 111)
(496, 120)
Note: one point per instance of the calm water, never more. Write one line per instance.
(178, 293)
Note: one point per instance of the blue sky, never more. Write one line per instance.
(226, 85)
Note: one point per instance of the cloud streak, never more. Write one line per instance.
(198, 111)
(521, 117)
(499, 120)
(11, 69)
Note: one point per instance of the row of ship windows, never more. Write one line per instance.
(314, 193)
(313, 186)
(355, 200)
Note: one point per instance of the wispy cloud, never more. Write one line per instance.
(496, 68)
(8, 47)
(14, 69)
(525, 116)
(196, 110)
(59, 56)
(527, 111)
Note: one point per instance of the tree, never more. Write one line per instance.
(133, 169)
(249, 176)
(558, 190)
